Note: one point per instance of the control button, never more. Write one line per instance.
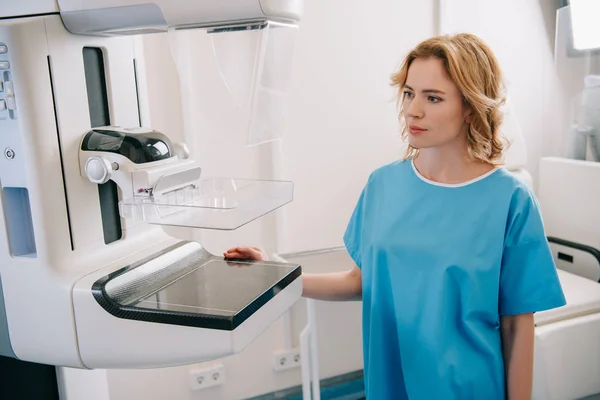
(98, 170)
(3, 49)
(4, 65)
(11, 103)
(9, 153)
(2, 105)
(8, 86)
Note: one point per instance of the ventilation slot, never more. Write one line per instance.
(95, 79)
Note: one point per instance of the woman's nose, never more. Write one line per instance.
(414, 109)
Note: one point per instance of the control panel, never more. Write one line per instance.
(10, 142)
(7, 94)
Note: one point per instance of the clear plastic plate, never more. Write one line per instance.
(211, 203)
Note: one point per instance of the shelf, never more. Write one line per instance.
(211, 203)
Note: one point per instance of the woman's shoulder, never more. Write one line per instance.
(518, 197)
(513, 184)
(390, 169)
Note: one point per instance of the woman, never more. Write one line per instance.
(450, 251)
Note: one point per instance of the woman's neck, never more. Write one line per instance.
(449, 166)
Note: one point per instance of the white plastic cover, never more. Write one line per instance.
(103, 16)
(255, 66)
(257, 70)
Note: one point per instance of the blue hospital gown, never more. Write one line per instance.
(440, 264)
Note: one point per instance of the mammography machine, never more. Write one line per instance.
(89, 278)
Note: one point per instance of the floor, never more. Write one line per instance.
(344, 387)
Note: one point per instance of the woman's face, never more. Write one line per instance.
(433, 106)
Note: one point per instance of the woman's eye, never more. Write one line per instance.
(434, 99)
(408, 95)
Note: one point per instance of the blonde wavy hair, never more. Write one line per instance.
(473, 68)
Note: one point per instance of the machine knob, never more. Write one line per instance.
(98, 170)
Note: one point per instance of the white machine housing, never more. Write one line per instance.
(124, 17)
(54, 244)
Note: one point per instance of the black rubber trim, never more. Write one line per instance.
(60, 152)
(578, 246)
(137, 91)
(196, 320)
(29, 15)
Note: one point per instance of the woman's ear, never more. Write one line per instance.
(468, 115)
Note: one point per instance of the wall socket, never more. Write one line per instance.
(286, 359)
(202, 378)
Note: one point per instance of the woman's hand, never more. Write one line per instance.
(340, 286)
(246, 253)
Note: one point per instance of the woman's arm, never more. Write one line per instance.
(334, 286)
(517, 348)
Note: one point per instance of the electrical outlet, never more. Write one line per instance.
(202, 378)
(286, 359)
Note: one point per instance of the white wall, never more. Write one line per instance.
(341, 125)
(342, 121)
(521, 34)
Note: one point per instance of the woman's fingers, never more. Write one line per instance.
(253, 253)
(233, 254)
(257, 254)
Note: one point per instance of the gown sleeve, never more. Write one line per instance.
(528, 278)
(354, 230)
